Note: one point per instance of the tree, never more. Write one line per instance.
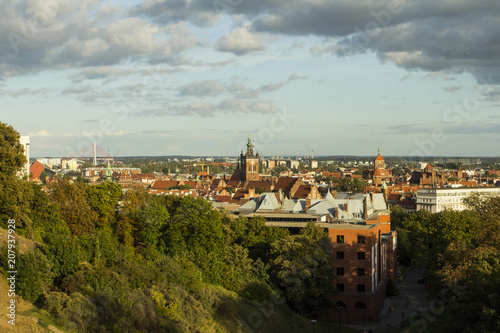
(74, 206)
(150, 224)
(103, 199)
(348, 185)
(302, 268)
(13, 203)
(35, 275)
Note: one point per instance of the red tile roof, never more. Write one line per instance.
(302, 192)
(163, 184)
(36, 169)
(285, 184)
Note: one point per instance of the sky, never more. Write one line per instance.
(197, 77)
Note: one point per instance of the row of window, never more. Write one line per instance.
(360, 288)
(361, 239)
(340, 271)
(341, 254)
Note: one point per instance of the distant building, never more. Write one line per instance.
(69, 164)
(25, 141)
(436, 200)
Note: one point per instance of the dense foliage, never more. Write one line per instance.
(110, 261)
(461, 251)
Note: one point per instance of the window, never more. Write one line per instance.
(360, 306)
(340, 271)
(340, 287)
(361, 272)
(361, 239)
(361, 256)
(340, 305)
(340, 238)
(340, 255)
(361, 288)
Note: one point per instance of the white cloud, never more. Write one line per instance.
(240, 41)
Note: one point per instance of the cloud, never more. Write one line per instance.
(297, 77)
(204, 109)
(453, 88)
(202, 88)
(240, 41)
(43, 35)
(240, 90)
(41, 133)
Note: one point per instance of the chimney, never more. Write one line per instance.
(346, 209)
(308, 204)
(365, 209)
(336, 213)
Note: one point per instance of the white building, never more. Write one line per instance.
(50, 162)
(25, 141)
(436, 200)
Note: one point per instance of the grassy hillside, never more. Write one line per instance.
(212, 309)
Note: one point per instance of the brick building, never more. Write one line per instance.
(363, 245)
(364, 258)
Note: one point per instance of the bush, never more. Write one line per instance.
(34, 275)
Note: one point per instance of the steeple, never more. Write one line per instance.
(109, 172)
(250, 146)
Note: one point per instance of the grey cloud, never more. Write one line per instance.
(474, 129)
(239, 90)
(204, 109)
(202, 88)
(40, 35)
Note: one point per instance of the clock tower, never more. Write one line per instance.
(249, 163)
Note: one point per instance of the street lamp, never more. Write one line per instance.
(313, 321)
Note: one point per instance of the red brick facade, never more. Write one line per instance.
(364, 258)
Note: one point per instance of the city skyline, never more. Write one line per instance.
(194, 78)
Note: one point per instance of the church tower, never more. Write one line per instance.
(249, 163)
(379, 161)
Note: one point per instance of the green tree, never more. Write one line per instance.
(103, 199)
(74, 206)
(151, 225)
(348, 185)
(13, 203)
(35, 275)
(302, 268)
(254, 235)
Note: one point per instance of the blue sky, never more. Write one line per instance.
(194, 77)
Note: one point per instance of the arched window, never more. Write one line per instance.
(360, 306)
(341, 305)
